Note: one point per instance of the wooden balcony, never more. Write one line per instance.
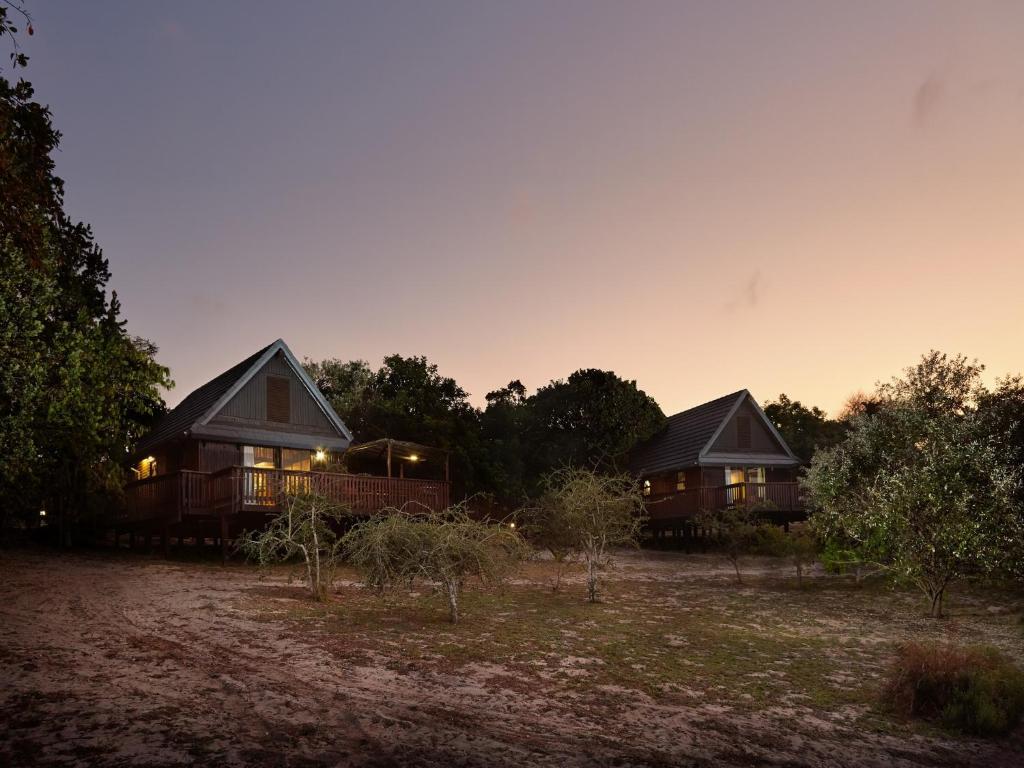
(178, 495)
(772, 497)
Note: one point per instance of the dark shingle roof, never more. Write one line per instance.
(679, 444)
(198, 402)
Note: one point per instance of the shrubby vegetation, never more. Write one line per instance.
(447, 549)
(974, 690)
(738, 532)
(583, 514)
(306, 529)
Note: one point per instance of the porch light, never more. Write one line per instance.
(414, 457)
(321, 455)
(42, 513)
(512, 526)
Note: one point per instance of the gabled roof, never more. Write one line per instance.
(688, 436)
(204, 403)
(685, 435)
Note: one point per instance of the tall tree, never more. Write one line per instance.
(923, 487)
(591, 419)
(342, 383)
(77, 389)
(502, 469)
(1001, 412)
(409, 399)
(804, 429)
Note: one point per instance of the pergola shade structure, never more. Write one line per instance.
(399, 458)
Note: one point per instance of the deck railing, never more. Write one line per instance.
(247, 489)
(162, 496)
(784, 497)
(260, 488)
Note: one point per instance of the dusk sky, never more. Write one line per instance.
(787, 197)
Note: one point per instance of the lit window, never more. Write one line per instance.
(295, 460)
(755, 474)
(680, 481)
(647, 487)
(147, 467)
(258, 456)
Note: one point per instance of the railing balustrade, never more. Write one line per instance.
(238, 489)
(784, 497)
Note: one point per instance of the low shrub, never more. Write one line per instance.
(974, 690)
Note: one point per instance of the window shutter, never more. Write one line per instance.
(743, 433)
(278, 399)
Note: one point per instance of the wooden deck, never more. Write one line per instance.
(772, 497)
(176, 496)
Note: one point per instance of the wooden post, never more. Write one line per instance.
(223, 538)
(389, 458)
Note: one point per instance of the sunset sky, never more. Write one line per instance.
(787, 197)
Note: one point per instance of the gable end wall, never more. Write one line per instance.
(249, 406)
(761, 439)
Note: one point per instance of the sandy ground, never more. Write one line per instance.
(115, 660)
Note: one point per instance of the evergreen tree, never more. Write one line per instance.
(76, 388)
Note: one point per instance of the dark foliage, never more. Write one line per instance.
(804, 429)
(76, 390)
(591, 419)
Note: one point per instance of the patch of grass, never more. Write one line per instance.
(626, 644)
(691, 641)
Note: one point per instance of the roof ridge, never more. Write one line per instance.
(730, 396)
(197, 402)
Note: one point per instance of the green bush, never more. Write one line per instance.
(974, 690)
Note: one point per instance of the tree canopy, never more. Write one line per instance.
(924, 486)
(76, 388)
(804, 429)
(591, 419)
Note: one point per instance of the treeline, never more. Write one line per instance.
(592, 418)
(76, 389)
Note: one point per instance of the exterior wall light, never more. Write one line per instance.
(321, 455)
(414, 457)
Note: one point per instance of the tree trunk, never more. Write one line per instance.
(591, 580)
(736, 566)
(559, 565)
(452, 588)
(936, 596)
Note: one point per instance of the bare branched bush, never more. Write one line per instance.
(742, 531)
(398, 546)
(585, 514)
(548, 530)
(305, 530)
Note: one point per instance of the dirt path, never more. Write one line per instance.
(126, 661)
